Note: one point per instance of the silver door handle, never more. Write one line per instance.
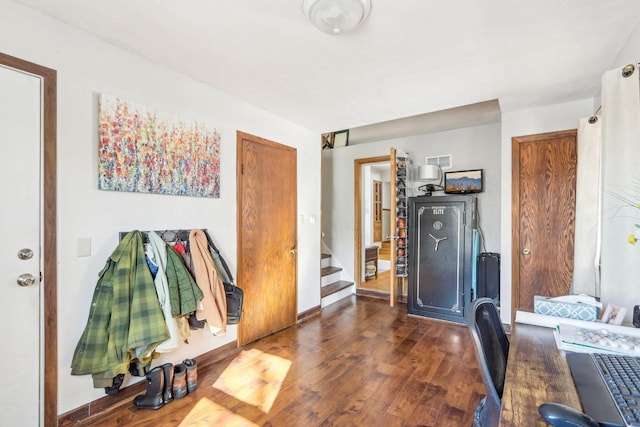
(25, 253)
(26, 279)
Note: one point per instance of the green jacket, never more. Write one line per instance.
(184, 293)
(125, 318)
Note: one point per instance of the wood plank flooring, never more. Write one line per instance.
(359, 362)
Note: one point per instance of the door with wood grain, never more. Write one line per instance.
(377, 211)
(267, 228)
(544, 198)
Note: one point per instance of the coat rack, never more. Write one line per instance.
(166, 235)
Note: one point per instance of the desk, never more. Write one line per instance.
(537, 372)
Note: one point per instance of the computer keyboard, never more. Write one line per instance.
(620, 374)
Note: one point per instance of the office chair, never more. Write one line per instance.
(492, 350)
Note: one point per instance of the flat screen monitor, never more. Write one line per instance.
(463, 182)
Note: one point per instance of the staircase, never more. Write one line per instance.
(333, 287)
(385, 250)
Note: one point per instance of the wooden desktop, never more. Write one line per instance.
(537, 372)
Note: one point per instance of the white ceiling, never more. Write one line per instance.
(409, 58)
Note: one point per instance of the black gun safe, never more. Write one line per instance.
(440, 255)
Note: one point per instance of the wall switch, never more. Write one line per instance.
(312, 219)
(83, 247)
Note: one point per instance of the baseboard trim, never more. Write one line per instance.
(108, 405)
(368, 293)
(305, 315)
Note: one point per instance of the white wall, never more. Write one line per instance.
(630, 53)
(519, 123)
(471, 148)
(87, 67)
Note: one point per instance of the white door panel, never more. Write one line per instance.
(20, 177)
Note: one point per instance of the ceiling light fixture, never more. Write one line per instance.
(336, 16)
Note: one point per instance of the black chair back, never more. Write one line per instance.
(492, 350)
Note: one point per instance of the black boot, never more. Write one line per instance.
(167, 393)
(194, 323)
(155, 387)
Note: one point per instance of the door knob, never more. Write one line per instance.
(25, 253)
(26, 279)
(526, 251)
(293, 251)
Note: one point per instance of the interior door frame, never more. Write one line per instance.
(240, 137)
(358, 255)
(515, 205)
(49, 340)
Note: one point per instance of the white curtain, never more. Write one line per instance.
(586, 270)
(620, 261)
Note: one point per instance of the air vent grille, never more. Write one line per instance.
(443, 161)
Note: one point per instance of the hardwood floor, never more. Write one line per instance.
(381, 283)
(359, 362)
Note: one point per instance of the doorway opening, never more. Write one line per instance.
(372, 260)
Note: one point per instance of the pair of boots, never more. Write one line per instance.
(166, 382)
(185, 378)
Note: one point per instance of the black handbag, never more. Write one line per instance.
(234, 294)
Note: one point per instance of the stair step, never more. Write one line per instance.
(334, 287)
(329, 270)
(324, 256)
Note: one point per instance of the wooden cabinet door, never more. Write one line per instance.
(544, 199)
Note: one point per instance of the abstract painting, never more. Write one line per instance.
(146, 151)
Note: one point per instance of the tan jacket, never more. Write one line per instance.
(214, 303)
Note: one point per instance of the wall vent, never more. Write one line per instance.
(443, 161)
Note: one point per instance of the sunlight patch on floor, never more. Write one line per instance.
(207, 413)
(255, 378)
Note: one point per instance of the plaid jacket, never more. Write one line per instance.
(125, 319)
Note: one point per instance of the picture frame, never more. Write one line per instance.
(613, 314)
(341, 138)
(464, 182)
(327, 140)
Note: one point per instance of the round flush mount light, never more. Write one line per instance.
(336, 16)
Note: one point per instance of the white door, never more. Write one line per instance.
(20, 306)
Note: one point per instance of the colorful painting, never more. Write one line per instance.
(146, 151)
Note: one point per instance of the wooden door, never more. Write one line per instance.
(377, 211)
(267, 253)
(28, 256)
(544, 196)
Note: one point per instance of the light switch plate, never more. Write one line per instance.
(83, 247)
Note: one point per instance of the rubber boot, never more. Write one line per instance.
(179, 381)
(167, 390)
(192, 374)
(155, 386)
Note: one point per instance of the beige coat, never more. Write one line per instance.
(214, 304)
